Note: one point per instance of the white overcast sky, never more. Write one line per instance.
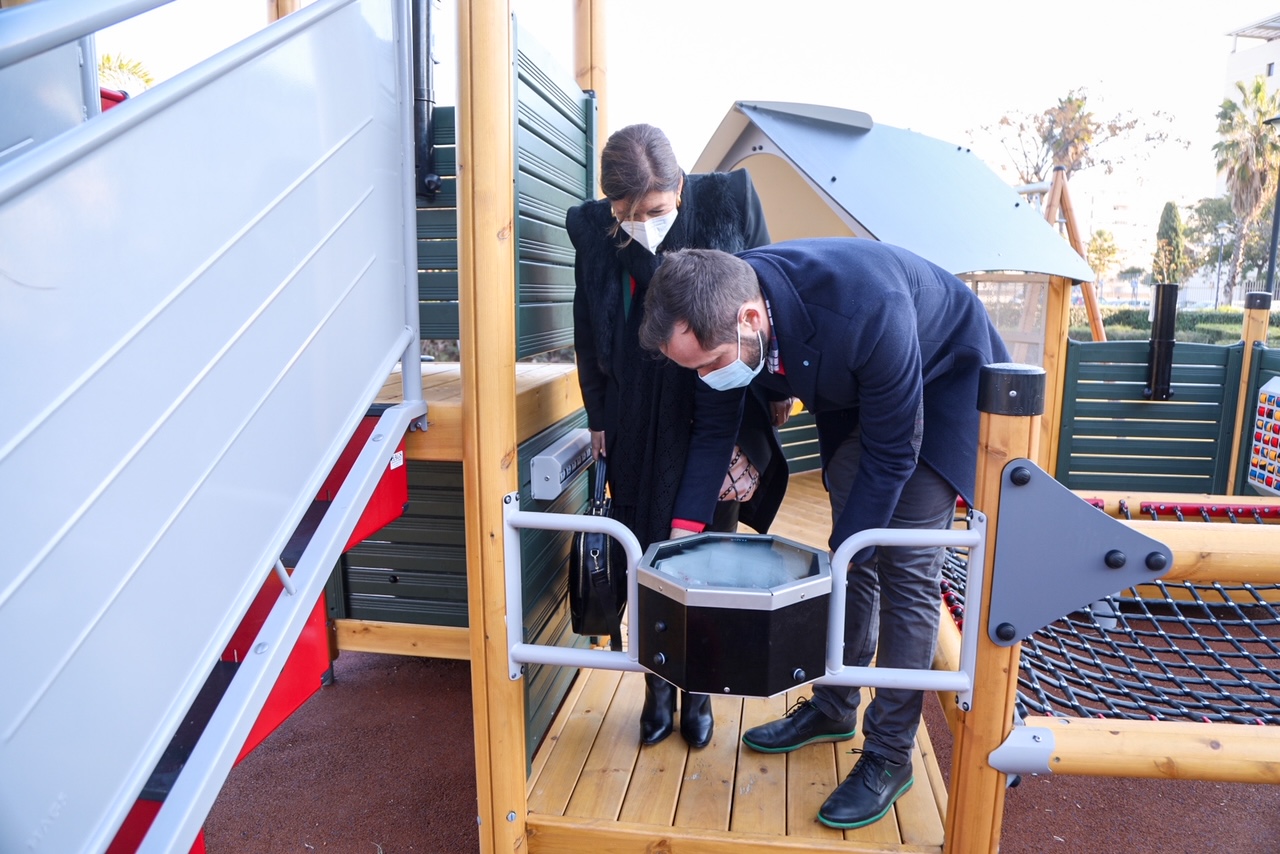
(941, 68)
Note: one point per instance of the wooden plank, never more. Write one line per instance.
(555, 785)
(602, 783)
(659, 771)
(706, 798)
(919, 821)
(886, 829)
(760, 787)
(403, 639)
(811, 777)
(567, 835)
(543, 754)
(929, 758)
(545, 393)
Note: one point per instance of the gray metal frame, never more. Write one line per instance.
(521, 653)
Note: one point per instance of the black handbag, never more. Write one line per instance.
(597, 574)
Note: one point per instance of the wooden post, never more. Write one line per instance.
(1011, 398)
(1059, 201)
(590, 57)
(1163, 750)
(1257, 316)
(277, 9)
(486, 291)
(1056, 326)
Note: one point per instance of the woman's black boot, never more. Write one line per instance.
(659, 709)
(696, 720)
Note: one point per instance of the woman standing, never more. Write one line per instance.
(669, 473)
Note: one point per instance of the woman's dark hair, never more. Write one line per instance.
(636, 161)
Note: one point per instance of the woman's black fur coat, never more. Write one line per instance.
(664, 463)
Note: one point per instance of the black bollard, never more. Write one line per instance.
(1160, 352)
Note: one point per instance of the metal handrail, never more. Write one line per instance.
(33, 28)
(520, 653)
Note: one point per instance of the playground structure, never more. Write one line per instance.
(487, 417)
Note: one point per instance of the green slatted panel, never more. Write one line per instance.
(545, 584)
(1112, 438)
(799, 438)
(555, 156)
(1264, 368)
(415, 569)
(438, 237)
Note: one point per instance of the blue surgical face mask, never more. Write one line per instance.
(737, 373)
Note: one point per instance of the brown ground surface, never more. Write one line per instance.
(381, 762)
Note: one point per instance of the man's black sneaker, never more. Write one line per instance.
(803, 724)
(867, 793)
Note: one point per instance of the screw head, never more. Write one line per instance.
(1006, 631)
(660, 626)
(1115, 559)
(798, 675)
(659, 659)
(1157, 561)
(1020, 476)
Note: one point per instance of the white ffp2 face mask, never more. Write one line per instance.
(737, 373)
(651, 232)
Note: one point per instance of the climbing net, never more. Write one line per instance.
(1175, 651)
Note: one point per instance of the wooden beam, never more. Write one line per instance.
(564, 835)
(1207, 553)
(976, 807)
(1257, 317)
(1056, 326)
(486, 291)
(590, 57)
(450, 642)
(1167, 750)
(277, 9)
(1081, 246)
(545, 394)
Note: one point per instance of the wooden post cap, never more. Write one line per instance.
(1257, 299)
(1008, 388)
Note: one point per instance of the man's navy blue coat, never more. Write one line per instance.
(873, 336)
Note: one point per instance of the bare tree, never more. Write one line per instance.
(1070, 135)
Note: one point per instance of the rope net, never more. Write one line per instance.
(1175, 651)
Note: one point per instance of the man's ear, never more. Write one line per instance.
(750, 314)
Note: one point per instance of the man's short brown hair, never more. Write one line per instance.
(703, 288)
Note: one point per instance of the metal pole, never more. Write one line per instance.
(1275, 229)
(426, 182)
(1217, 279)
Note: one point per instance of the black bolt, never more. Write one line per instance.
(1006, 631)
(1115, 559)
(660, 626)
(1021, 476)
(798, 675)
(659, 659)
(1157, 561)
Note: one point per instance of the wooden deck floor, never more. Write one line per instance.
(594, 788)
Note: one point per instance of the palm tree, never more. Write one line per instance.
(1248, 153)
